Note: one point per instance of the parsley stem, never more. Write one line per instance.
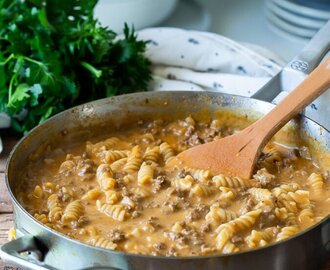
(7, 60)
(96, 72)
(33, 61)
(10, 90)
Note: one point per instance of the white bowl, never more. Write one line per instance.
(140, 13)
(303, 10)
(293, 18)
(289, 28)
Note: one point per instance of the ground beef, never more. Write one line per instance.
(264, 177)
(152, 221)
(266, 219)
(116, 235)
(171, 252)
(182, 173)
(247, 205)
(169, 207)
(304, 153)
(192, 215)
(159, 246)
(194, 140)
(160, 182)
(236, 239)
(136, 214)
(196, 213)
(205, 227)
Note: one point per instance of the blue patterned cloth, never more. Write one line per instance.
(192, 60)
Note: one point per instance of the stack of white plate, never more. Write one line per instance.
(297, 19)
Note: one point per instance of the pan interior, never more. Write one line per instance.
(88, 121)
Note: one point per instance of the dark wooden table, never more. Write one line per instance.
(6, 209)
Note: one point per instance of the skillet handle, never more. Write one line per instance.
(298, 68)
(24, 252)
(307, 60)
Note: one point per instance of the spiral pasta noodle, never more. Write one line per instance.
(202, 190)
(145, 174)
(118, 164)
(92, 194)
(200, 175)
(219, 215)
(106, 144)
(55, 210)
(167, 151)
(232, 182)
(104, 176)
(227, 230)
(112, 155)
(115, 211)
(260, 238)
(72, 212)
(184, 184)
(229, 247)
(102, 242)
(306, 216)
(316, 183)
(111, 196)
(287, 232)
(152, 154)
(134, 160)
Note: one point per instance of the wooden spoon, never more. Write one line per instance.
(237, 154)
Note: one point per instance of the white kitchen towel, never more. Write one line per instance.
(193, 60)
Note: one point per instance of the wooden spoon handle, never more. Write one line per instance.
(312, 87)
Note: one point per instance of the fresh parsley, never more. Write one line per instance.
(54, 54)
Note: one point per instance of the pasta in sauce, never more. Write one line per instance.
(117, 193)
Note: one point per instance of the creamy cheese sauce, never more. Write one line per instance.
(116, 191)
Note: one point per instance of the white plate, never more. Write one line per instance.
(189, 15)
(303, 10)
(294, 18)
(284, 34)
(289, 28)
(140, 13)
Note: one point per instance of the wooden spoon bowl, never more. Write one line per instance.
(237, 154)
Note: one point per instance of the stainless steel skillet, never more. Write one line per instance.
(42, 248)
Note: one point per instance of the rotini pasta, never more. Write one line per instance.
(118, 164)
(112, 155)
(115, 211)
(134, 160)
(201, 190)
(200, 175)
(232, 182)
(219, 215)
(227, 230)
(101, 242)
(167, 151)
(145, 174)
(92, 194)
(55, 210)
(306, 216)
(260, 238)
(315, 181)
(104, 176)
(72, 212)
(184, 184)
(152, 154)
(286, 232)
